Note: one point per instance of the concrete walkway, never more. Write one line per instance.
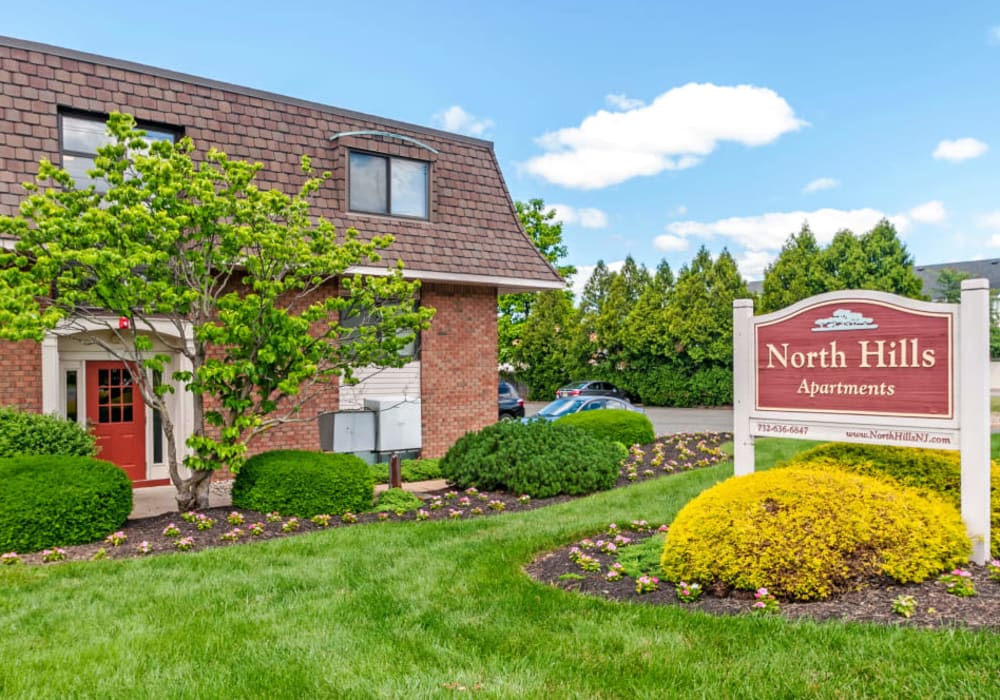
(157, 500)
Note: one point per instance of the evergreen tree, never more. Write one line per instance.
(796, 274)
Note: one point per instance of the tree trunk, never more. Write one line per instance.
(193, 492)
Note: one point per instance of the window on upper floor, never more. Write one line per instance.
(358, 320)
(388, 185)
(82, 134)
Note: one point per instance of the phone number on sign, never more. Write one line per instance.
(780, 429)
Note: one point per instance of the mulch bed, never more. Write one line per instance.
(671, 454)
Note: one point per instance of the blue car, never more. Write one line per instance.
(576, 404)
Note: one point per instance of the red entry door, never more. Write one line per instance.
(118, 415)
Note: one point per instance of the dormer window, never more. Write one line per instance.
(389, 185)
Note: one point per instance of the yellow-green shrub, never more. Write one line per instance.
(807, 534)
(937, 471)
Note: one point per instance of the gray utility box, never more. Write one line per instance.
(386, 425)
(347, 431)
(397, 423)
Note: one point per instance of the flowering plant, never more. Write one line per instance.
(476, 511)
(646, 584)
(232, 535)
(524, 498)
(450, 495)
(204, 522)
(423, 514)
(615, 572)
(54, 554)
(994, 568)
(348, 518)
(688, 592)
(256, 530)
(323, 520)
(959, 582)
(171, 530)
(116, 539)
(622, 541)
(464, 502)
(383, 516)
(607, 547)
(235, 518)
(290, 525)
(641, 526)
(454, 514)
(185, 543)
(10, 558)
(588, 563)
(436, 504)
(497, 505)
(189, 517)
(483, 497)
(101, 553)
(144, 547)
(273, 517)
(904, 605)
(471, 491)
(765, 603)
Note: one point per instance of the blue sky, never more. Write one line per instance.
(656, 127)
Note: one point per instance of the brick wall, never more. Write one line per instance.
(21, 376)
(458, 364)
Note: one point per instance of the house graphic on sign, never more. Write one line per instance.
(844, 320)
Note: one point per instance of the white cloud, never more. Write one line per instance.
(586, 216)
(769, 231)
(991, 221)
(932, 212)
(821, 183)
(458, 120)
(583, 273)
(623, 101)
(752, 263)
(958, 150)
(677, 131)
(670, 244)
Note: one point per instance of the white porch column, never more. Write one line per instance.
(51, 381)
(743, 375)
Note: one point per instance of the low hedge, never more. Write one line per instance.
(303, 483)
(397, 501)
(424, 469)
(808, 533)
(36, 434)
(536, 458)
(54, 501)
(626, 427)
(934, 471)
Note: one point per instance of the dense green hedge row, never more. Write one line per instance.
(626, 427)
(303, 483)
(49, 501)
(535, 458)
(35, 434)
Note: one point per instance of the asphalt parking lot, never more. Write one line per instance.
(667, 421)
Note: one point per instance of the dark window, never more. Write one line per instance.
(387, 185)
(361, 321)
(83, 134)
(71, 395)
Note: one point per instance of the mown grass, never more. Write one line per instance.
(418, 609)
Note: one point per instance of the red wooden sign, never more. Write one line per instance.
(863, 357)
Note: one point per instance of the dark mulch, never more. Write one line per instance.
(667, 455)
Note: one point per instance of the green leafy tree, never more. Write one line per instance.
(700, 312)
(545, 232)
(549, 347)
(241, 276)
(611, 323)
(877, 260)
(796, 274)
(949, 285)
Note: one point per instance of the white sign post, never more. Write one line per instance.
(875, 368)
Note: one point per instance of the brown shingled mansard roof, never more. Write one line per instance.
(473, 235)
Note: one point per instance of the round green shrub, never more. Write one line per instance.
(935, 471)
(536, 458)
(36, 434)
(626, 427)
(397, 501)
(807, 534)
(303, 483)
(55, 500)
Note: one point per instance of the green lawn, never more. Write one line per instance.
(404, 610)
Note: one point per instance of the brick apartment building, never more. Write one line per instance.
(441, 196)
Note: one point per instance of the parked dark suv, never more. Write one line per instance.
(511, 405)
